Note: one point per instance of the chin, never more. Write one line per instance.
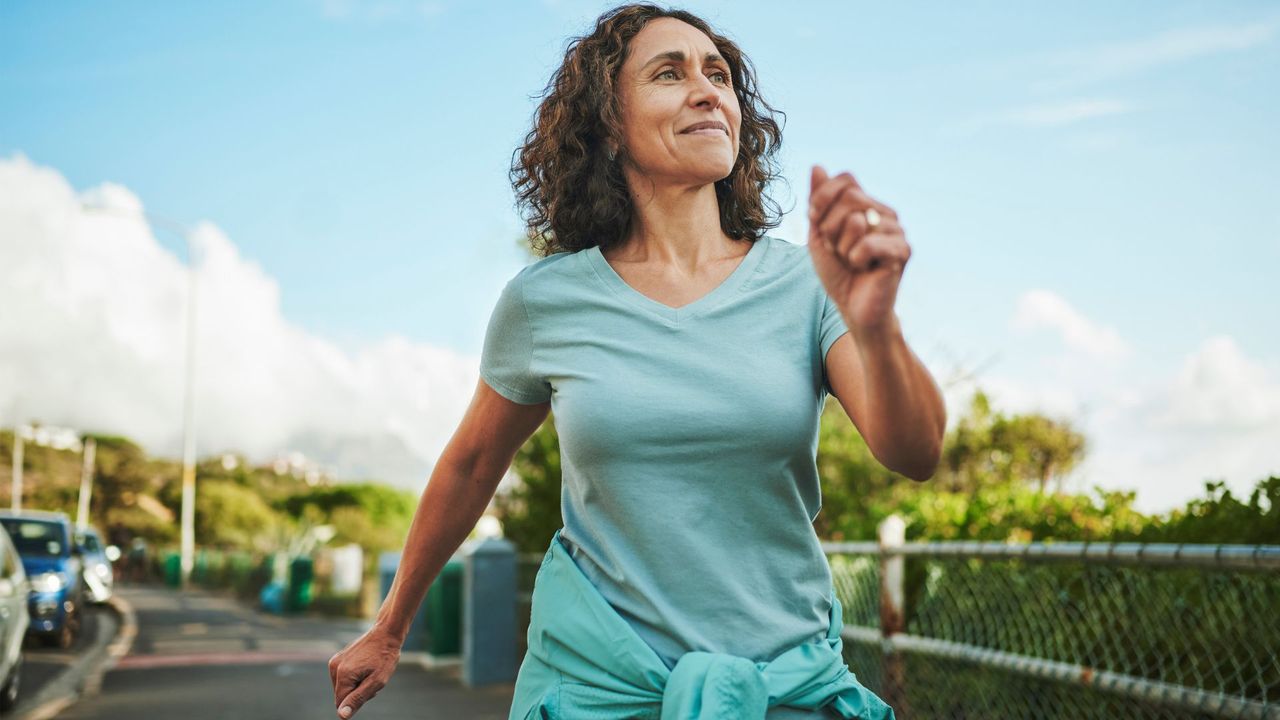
(713, 173)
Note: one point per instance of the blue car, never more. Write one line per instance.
(54, 567)
(99, 576)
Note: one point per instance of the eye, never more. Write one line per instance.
(722, 73)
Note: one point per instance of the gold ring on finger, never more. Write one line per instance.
(873, 218)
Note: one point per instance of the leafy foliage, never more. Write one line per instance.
(530, 511)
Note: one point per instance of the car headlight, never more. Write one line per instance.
(49, 582)
(102, 571)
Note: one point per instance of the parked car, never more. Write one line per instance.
(99, 578)
(53, 566)
(14, 621)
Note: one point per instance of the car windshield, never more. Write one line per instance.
(35, 537)
(89, 542)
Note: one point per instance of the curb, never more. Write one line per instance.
(429, 661)
(118, 648)
(85, 674)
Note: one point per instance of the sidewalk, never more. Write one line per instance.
(202, 655)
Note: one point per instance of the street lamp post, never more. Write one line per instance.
(86, 483)
(21, 433)
(189, 430)
(188, 415)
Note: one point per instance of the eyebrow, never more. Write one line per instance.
(678, 56)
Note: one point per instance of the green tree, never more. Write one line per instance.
(377, 517)
(989, 448)
(530, 511)
(228, 515)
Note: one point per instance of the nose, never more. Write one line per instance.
(706, 93)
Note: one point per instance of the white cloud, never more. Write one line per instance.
(1217, 416)
(1219, 389)
(1076, 67)
(1066, 113)
(1043, 309)
(92, 335)
(1054, 114)
(1070, 70)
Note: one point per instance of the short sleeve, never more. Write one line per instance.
(830, 328)
(507, 357)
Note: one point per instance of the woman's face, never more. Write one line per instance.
(662, 95)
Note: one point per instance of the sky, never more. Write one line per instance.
(1089, 190)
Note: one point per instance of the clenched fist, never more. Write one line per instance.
(858, 248)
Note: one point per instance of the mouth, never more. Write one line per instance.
(713, 127)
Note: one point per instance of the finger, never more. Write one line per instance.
(820, 202)
(859, 201)
(333, 677)
(361, 695)
(880, 207)
(347, 681)
(869, 250)
(866, 201)
(878, 250)
(853, 230)
(846, 209)
(817, 177)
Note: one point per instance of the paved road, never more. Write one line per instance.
(51, 671)
(200, 656)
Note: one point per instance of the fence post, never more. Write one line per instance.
(488, 612)
(892, 534)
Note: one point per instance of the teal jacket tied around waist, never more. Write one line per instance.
(584, 662)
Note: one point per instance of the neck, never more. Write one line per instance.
(676, 225)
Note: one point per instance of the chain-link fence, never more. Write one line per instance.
(964, 630)
(1063, 630)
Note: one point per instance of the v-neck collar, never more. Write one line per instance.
(607, 275)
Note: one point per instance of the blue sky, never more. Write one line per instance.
(1084, 183)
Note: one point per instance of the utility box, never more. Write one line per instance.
(489, 612)
(301, 584)
(444, 611)
(416, 638)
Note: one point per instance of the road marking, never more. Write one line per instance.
(195, 646)
(145, 662)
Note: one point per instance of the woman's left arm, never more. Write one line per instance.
(859, 251)
(891, 398)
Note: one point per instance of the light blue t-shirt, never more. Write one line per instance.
(687, 441)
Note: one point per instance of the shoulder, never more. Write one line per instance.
(786, 263)
(783, 256)
(548, 270)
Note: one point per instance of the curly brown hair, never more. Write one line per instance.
(578, 197)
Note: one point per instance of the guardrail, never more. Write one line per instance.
(1053, 629)
(1062, 629)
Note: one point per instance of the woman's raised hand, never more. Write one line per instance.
(859, 266)
(362, 668)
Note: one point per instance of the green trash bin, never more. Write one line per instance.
(173, 569)
(444, 611)
(200, 568)
(301, 584)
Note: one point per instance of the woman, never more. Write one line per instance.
(688, 356)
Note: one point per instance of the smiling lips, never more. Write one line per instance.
(710, 127)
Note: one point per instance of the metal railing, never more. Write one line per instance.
(1062, 630)
(1053, 630)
